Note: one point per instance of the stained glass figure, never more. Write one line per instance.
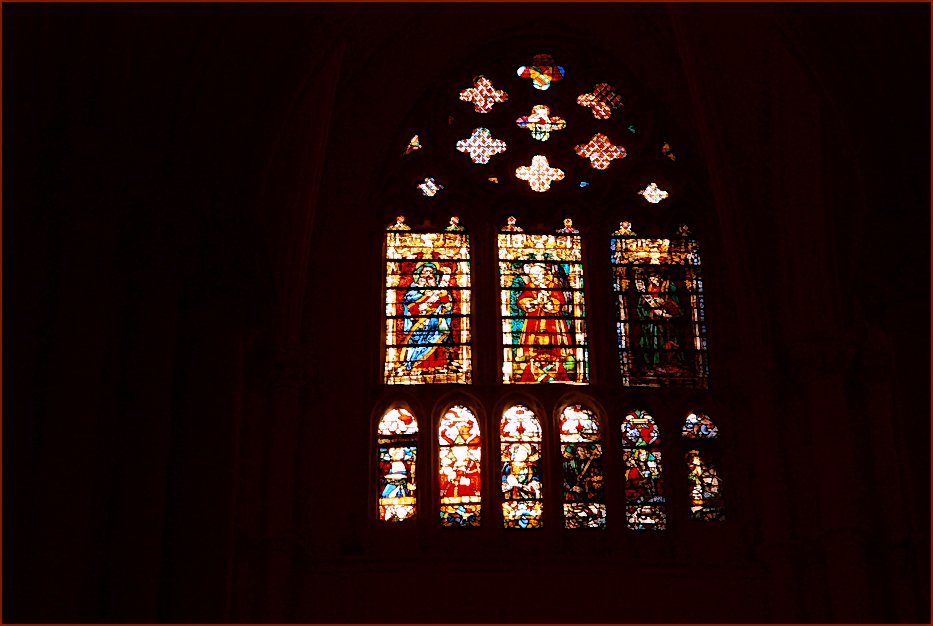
(625, 229)
(460, 463)
(541, 123)
(600, 151)
(454, 225)
(706, 500)
(430, 187)
(540, 174)
(660, 321)
(700, 426)
(483, 95)
(602, 101)
(414, 144)
(397, 436)
(666, 151)
(542, 71)
(653, 194)
(581, 452)
(543, 311)
(427, 307)
(481, 146)
(520, 437)
(644, 487)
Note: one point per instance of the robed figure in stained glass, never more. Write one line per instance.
(658, 305)
(427, 322)
(544, 352)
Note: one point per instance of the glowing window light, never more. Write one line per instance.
(427, 310)
(581, 453)
(413, 144)
(397, 438)
(544, 336)
(653, 194)
(540, 174)
(430, 187)
(481, 146)
(541, 123)
(459, 471)
(483, 95)
(542, 71)
(600, 151)
(520, 434)
(645, 507)
(660, 321)
(602, 101)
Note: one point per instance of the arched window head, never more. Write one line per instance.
(397, 437)
(644, 486)
(582, 464)
(543, 326)
(459, 474)
(704, 479)
(520, 436)
(427, 305)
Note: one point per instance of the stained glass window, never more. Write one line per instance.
(520, 437)
(539, 175)
(582, 469)
(481, 146)
(542, 71)
(541, 123)
(460, 459)
(660, 322)
(543, 325)
(397, 436)
(427, 306)
(644, 487)
(602, 101)
(706, 501)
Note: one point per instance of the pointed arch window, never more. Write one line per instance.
(427, 333)
(460, 461)
(397, 437)
(582, 468)
(706, 500)
(644, 485)
(520, 438)
(543, 311)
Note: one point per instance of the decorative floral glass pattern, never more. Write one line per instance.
(539, 175)
(600, 151)
(481, 146)
(602, 101)
(483, 95)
